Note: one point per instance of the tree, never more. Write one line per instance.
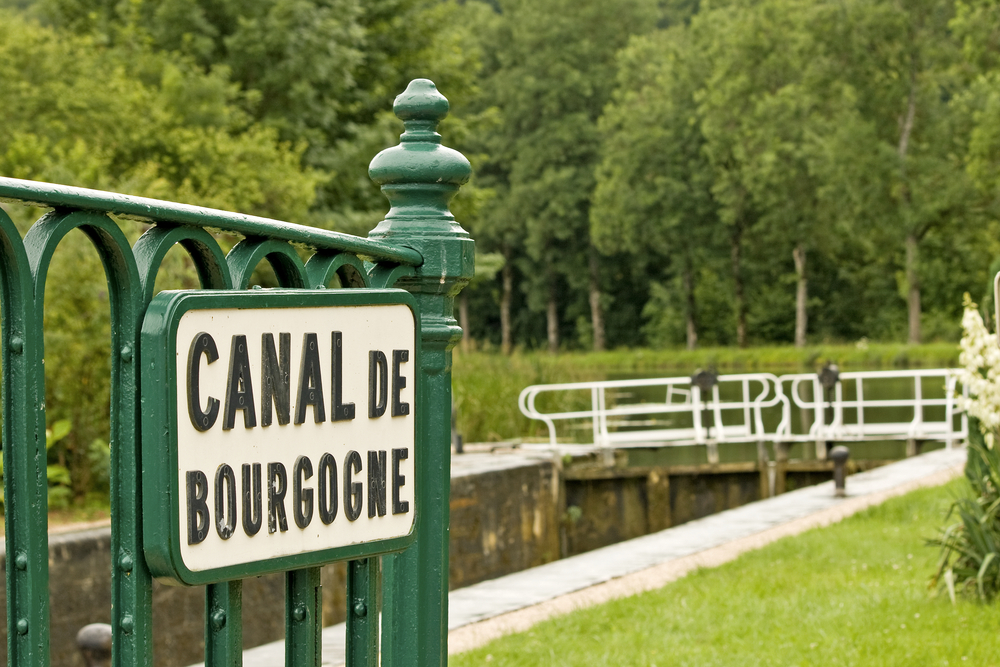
(895, 161)
(551, 75)
(75, 114)
(322, 74)
(653, 202)
(768, 95)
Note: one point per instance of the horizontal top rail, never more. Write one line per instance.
(153, 210)
(757, 391)
(706, 409)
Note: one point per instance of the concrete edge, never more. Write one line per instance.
(475, 635)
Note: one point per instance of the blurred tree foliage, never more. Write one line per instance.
(80, 114)
(647, 172)
(765, 171)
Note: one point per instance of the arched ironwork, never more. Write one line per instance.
(418, 247)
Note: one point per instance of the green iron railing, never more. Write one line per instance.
(417, 247)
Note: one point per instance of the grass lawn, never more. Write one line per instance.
(855, 593)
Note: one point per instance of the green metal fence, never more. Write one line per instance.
(417, 247)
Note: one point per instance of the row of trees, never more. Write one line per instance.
(762, 171)
(647, 172)
(270, 107)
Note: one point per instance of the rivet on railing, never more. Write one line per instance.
(299, 613)
(126, 353)
(125, 562)
(218, 619)
(127, 624)
(16, 345)
(360, 609)
(21, 560)
(22, 626)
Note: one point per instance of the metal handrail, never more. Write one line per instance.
(918, 427)
(142, 209)
(772, 394)
(751, 407)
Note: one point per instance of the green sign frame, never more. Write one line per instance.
(161, 487)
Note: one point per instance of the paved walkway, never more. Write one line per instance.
(515, 602)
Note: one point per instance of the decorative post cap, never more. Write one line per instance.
(419, 176)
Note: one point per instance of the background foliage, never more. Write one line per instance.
(649, 173)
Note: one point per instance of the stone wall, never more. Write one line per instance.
(80, 593)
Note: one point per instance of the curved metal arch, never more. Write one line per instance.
(23, 453)
(204, 250)
(131, 587)
(381, 276)
(111, 244)
(248, 253)
(322, 266)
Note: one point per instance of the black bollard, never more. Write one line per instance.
(840, 454)
(94, 642)
(705, 380)
(829, 376)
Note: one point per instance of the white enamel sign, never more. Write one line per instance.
(294, 430)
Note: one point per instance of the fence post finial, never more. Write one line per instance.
(419, 177)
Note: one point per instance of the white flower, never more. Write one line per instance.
(980, 371)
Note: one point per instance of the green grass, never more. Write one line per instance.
(487, 384)
(855, 593)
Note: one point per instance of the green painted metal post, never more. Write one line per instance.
(303, 617)
(25, 482)
(224, 624)
(419, 177)
(363, 591)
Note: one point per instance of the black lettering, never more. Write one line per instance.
(225, 505)
(327, 488)
(310, 382)
(197, 494)
(302, 499)
(202, 344)
(274, 378)
(239, 388)
(399, 506)
(376, 483)
(378, 383)
(252, 500)
(352, 490)
(399, 409)
(277, 485)
(341, 411)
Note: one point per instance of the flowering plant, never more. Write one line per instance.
(980, 372)
(970, 546)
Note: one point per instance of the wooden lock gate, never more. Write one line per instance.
(335, 446)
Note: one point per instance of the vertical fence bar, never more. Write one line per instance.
(131, 595)
(303, 617)
(224, 624)
(419, 177)
(364, 586)
(25, 481)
